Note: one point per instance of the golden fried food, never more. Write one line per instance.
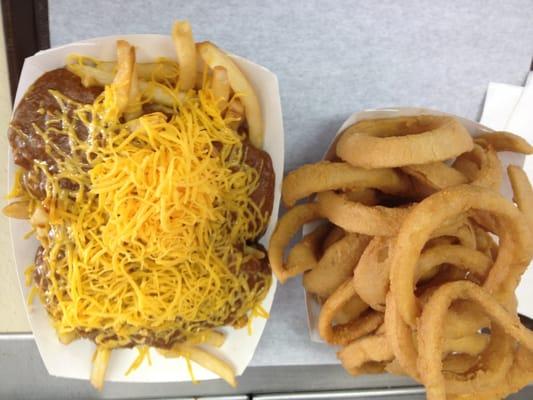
(431, 294)
(359, 218)
(402, 141)
(505, 141)
(323, 176)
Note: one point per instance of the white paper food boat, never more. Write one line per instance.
(74, 360)
(475, 129)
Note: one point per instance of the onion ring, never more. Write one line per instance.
(488, 170)
(352, 309)
(288, 225)
(522, 192)
(334, 235)
(457, 255)
(430, 336)
(304, 255)
(434, 176)
(432, 212)
(430, 339)
(375, 348)
(400, 338)
(336, 265)
(343, 334)
(505, 141)
(458, 363)
(371, 276)
(484, 242)
(518, 376)
(358, 218)
(414, 140)
(364, 350)
(325, 175)
(368, 197)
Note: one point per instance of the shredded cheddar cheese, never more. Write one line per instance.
(150, 244)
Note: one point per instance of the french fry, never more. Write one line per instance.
(235, 114)
(67, 337)
(100, 363)
(220, 86)
(134, 107)
(125, 74)
(17, 209)
(214, 57)
(186, 52)
(210, 362)
(39, 217)
(212, 338)
(92, 76)
(158, 71)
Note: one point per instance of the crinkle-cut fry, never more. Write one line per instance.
(435, 176)
(325, 175)
(235, 114)
(415, 140)
(99, 368)
(288, 225)
(343, 334)
(431, 321)
(336, 265)
(305, 254)
(371, 276)
(186, 53)
(460, 256)
(515, 240)
(488, 168)
(17, 209)
(220, 86)
(358, 218)
(505, 141)
(522, 192)
(214, 57)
